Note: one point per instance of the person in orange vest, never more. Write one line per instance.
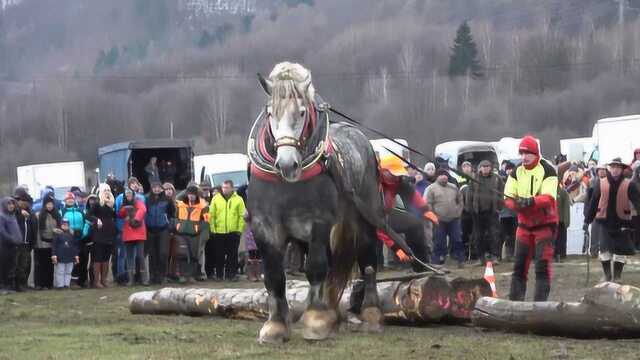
(191, 210)
(395, 181)
(610, 207)
(531, 191)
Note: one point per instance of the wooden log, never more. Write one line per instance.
(606, 311)
(424, 300)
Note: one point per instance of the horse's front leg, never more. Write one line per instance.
(319, 321)
(276, 329)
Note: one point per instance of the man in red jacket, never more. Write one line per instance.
(531, 192)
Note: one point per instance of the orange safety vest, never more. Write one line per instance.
(623, 204)
(189, 217)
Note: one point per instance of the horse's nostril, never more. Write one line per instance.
(295, 165)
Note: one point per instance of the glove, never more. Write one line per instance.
(403, 256)
(431, 216)
(524, 203)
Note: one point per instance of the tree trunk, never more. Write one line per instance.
(608, 310)
(417, 301)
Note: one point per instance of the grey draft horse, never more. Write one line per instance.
(309, 183)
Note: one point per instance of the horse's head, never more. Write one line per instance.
(291, 96)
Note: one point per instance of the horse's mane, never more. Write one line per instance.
(290, 81)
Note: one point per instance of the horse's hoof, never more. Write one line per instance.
(371, 320)
(319, 324)
(273, 332)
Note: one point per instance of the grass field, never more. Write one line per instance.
(96, 324)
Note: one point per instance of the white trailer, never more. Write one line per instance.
(61, 175)
(577, 149)
(616, 137)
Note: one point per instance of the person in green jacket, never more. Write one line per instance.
(226, 223)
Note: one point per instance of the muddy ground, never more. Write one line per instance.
(92, 324)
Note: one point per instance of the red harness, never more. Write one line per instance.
(310, 171)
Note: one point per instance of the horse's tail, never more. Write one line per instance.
(344, 249)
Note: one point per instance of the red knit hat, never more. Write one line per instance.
(529, 144)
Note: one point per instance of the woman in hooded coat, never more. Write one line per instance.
(49, 221)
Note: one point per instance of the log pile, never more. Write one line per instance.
(425, 300)
(606, 311)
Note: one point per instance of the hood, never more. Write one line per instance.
(47, 191)
(95, 197)
(4, 203)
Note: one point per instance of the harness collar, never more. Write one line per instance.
(261, 145)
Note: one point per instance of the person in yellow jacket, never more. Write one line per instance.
(190, 212)
(226, 224)
(531, 191)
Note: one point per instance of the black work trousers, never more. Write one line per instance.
(485, 234)
(23, 265)
(408, 224)
(157, 247)
(8, 266)
(226, 254)
(42, 268)
(81, 271)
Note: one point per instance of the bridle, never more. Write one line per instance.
(299, 142)
(313, 143)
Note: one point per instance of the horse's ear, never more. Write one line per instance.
(266, 84)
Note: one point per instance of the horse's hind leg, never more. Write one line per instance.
(277, 328)
(319, 321)
(364, 296)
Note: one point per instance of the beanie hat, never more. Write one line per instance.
(429, 167)
(466, 163)
(442, 171)
(484, 163)
(21, 194)
(529, 144)
(133, 179)
(192, 189)
(508, 165)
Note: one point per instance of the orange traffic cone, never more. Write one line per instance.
(490, 276)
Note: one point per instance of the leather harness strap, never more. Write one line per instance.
(261, 142)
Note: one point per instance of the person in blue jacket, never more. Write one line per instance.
(79, 227)
(160, 215)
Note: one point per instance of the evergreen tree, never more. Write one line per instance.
(464, 54)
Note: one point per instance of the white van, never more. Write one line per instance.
(616, 137)
(61, 175)
(216, 168)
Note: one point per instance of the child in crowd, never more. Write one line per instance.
(64, 250)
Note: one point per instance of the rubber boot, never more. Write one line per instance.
(131, 274)
(617, 271)
(97, 275)
(104, 273)
(543, 281)
(606, 267)
(144, 272)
